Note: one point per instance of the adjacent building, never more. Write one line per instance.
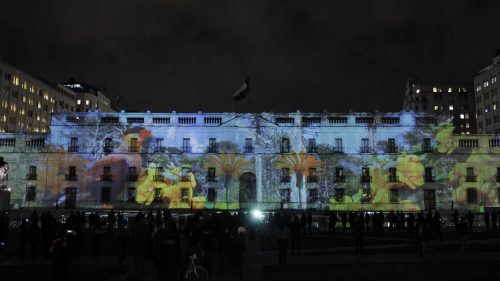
(357, 161)
(88, 97)
(454, 100)
(487, 99)
(26, 101)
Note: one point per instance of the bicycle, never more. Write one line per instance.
(195, 272)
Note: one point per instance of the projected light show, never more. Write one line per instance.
(357, 161)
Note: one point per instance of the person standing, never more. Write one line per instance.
(359, 232)
(463, 234)
(282, 240)
(494, 221)
(470, 220)
(295, 233)
(486, 217)
(309, 222)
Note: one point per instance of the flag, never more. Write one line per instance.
(242, 91)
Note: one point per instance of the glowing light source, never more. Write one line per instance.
(257, 214)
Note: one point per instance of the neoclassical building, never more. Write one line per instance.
(325, 161)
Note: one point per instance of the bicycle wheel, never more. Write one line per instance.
(197, 273)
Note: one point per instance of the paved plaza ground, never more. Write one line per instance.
(388, 256)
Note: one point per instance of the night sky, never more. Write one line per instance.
(307, 55)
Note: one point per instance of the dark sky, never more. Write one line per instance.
(308, 55)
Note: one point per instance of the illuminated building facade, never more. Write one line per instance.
(26, 102)
(487, 97)
(454, 100)
(355, 161)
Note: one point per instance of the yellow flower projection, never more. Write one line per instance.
(410, 171)
(444, 137)
(168, 186)
(228, 164)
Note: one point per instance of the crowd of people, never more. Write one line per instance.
(220, 239)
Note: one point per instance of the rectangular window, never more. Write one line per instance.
(312, 196)
(470, 176)
(311, 146)
(106, 174)
(285, 145)
(285, 175)
(248, 145)
(108, 145)
(471, 195)
(132, 174)
(365, 174)
(72, 174)
(211, 174)
(73, 145)
(426, 145)
(106, 194)
(394, 195)
(339, 174)
(312, 177)
(285, 195)
(211, 195)
(365, 146)
(429, 177)
(159, 145)
(212, 145)
(339, 195)
(30, 193)
(393, 177)
(134, 147)
(186, 145)
(338, 145)
(32, 173)
(391, 145)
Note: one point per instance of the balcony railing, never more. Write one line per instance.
(285, 178)
(211, 178)
(427, 149)
(339, 178)
(70, 177)
(31, 177)
(366, 178)
(132, 177)
(133, 149)
(471, 178)
(186, 149)
(312, 178)
(312, 149)
(73, 148)
(212, 149)
(392, 178)
(185, 178)
(364, 149)
(159, 149)
(158, 178)
(338, 149)
(392, 149)
(248, 149)
(284, 149)
(429, 178)
(106, 177)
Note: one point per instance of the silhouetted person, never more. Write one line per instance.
(486, 217)
(283, 233)
(122, 237)
(61, 259)
(359, 232)
(463, 234)
(411, 225)
(23, 238)
(494, 221)
(470, 220)
(332, 222)
(309, 222)
(343, 218)
(455, 218)
(303, 223)
(167, 253)
(295, 235)
(237, 250)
